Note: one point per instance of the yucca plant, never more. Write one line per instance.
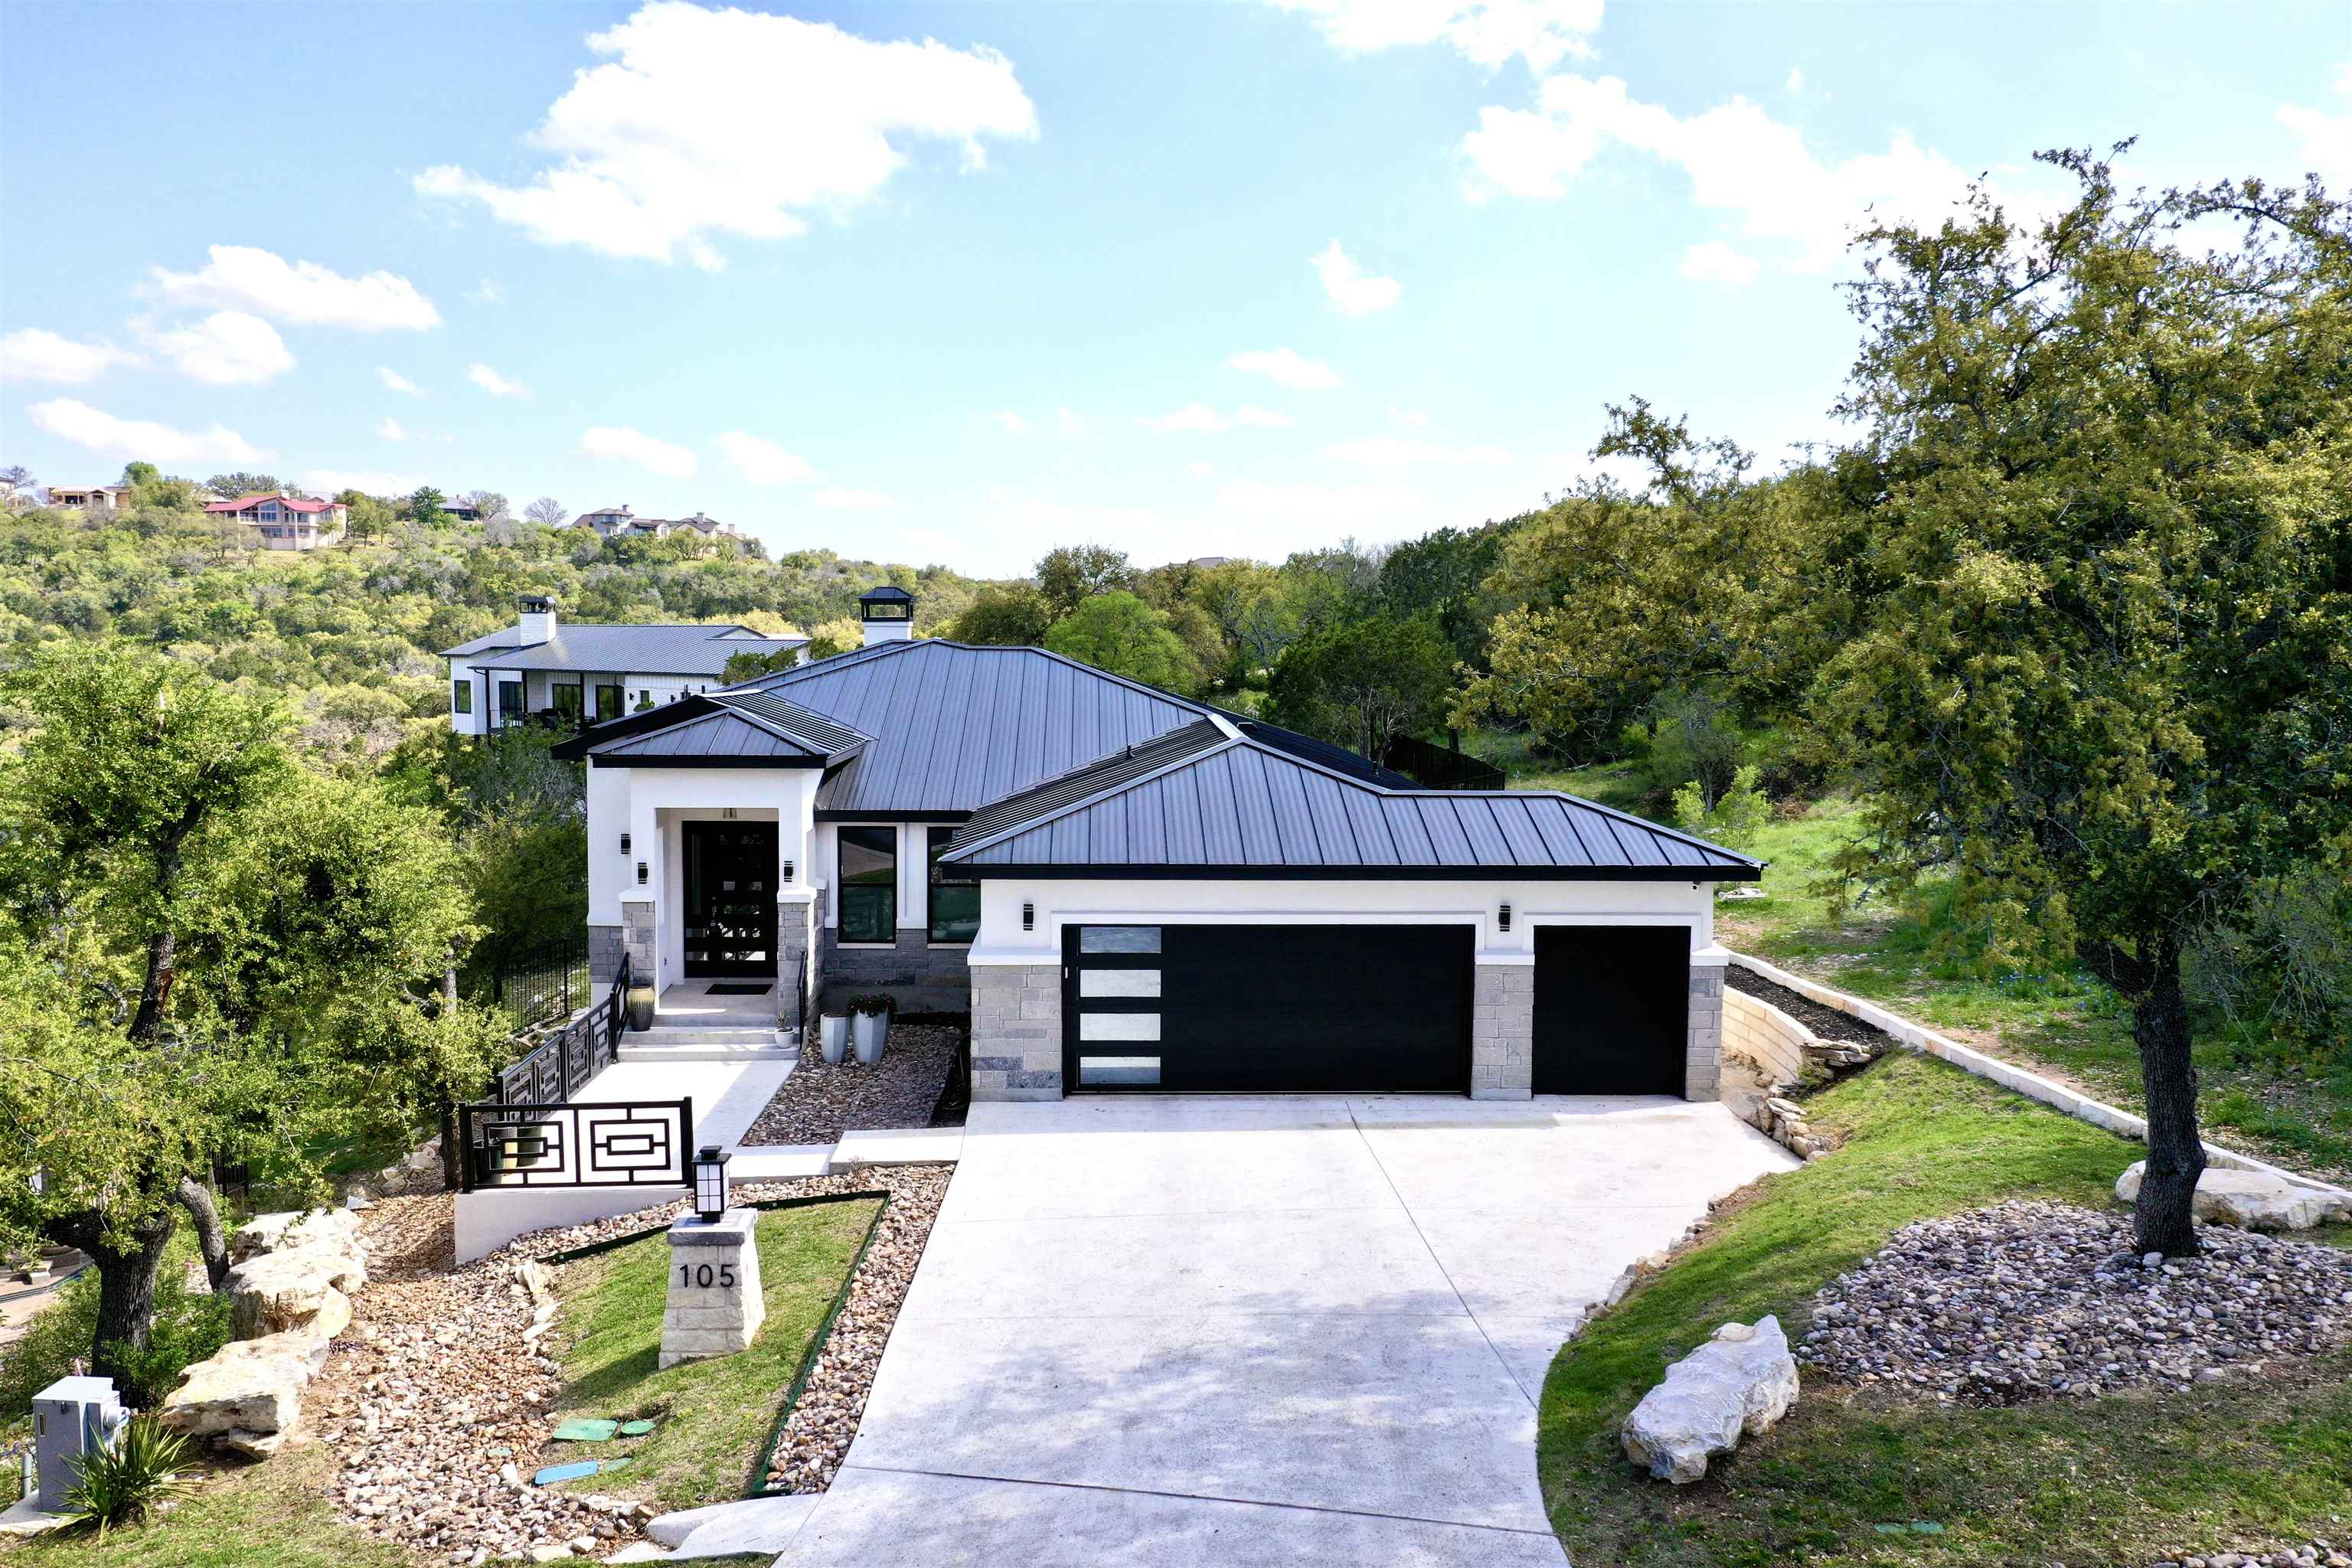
(124, 1484)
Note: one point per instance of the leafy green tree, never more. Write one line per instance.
(837, 636)
(189, 924)
(1119, 632)
(1733, 816)
(425, 507)
(2101, 683)
(1012, 615)
(743, 666)
(237, 486)
(1363, 682)
(1445, 574)
(1072, 574)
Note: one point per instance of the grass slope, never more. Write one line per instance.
(2100, 1481)
(714, 1416)
(269, 1513)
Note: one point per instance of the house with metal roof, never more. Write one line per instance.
(543, 669)
(1128, 891)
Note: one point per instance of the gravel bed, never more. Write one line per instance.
(816, 1103)
(1827, 1022)
(2311, 1554)
(2030, 1300)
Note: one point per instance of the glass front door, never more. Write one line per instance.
(730, 898)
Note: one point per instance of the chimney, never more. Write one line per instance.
(536, 625)
(887, 615)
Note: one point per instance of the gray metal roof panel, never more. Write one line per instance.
(1245, 805)
(639, 650)
(712, 735)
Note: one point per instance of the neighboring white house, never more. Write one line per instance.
(580, 674)
(288, 521)
(619, 522)
(94, 499)
(1130, 890)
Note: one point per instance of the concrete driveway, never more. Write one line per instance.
(1257, 1330)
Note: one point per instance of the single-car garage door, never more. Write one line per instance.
(1271, 1007)
(1612, 1005)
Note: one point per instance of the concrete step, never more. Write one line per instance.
(701, 1034)
(628, 1052)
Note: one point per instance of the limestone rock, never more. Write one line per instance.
(274, 1291)
(337, 1230)
(2249, 1198)
(762, 1525)
(239, 1390)
(1736, 1384)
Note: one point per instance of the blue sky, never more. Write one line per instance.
(1053, 275)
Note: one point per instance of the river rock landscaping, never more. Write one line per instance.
(818, 1103)
(2028, 1300)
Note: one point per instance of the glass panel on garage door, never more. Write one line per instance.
(1352, 1008)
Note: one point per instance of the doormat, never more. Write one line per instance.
(737, 990)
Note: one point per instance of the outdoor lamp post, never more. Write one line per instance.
(710, 1183)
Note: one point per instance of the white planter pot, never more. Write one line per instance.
(833, 1037)
(871, 1030)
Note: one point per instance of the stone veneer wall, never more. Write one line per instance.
(604, 949)
(796, 978)
(637, 937)
(1503, 1032)
(1703, 1054)
(1016, 1031)
(935, 977)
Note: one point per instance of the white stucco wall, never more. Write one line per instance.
(486, 673)
(1272, 902)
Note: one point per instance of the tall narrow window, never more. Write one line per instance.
(608, 702)
(954, 897)
(566, 698)
(509, 700)
(461, 696)
(869, 884)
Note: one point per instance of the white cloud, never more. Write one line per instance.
(1353, 293)
(1201, 468)
(367, 481)
(1286, 368)
(1713, 261)
(489, 291)
(1413, 416)
(243, 277)
(702, 123)
(761, 462)
(144, 440)
(1740, 160)
(843, 500)
(1796, 80)
(36, 353)
(1394, 452)
(1066, 515)
(397, 382)
(1341, 505)
(228, 348)
(1202, 419)
(627, 444)
(1069, 422)
(1012, 423)
(2324, 139)
(494, 384)
(390, 429)
(1488, 31)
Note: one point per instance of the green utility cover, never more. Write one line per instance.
(554, 1473)
(580, 1429)
(636, 1428)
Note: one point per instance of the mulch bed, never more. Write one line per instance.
(1827, 1022)
(817, 1103)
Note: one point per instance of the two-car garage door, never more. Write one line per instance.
(1359, 1008)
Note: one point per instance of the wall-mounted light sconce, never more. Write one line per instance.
(1503, 917)
(641, 873)
(788, 870)
(1028, 916)
(625, 844)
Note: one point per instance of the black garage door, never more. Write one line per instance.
(1260, 1008)
(1612, 1004)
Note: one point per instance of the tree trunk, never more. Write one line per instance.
(452, 1169)
(161, 948)
(126, 1307)
(2175, 1153)
(197, 1199)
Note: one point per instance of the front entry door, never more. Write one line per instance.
(730, 898)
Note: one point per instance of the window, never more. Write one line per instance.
(954, 900)
(461, 697)
(608, 701)
(869, 884)
(888, 611)
(509, 699)
(565, 695)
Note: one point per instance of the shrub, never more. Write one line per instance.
(124, 1484)
(1735, 816)
(190, 1325)
(872, 1002)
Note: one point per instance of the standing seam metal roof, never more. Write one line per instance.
(1243, 806)
(626, 650)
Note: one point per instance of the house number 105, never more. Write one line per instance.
(703, 1275)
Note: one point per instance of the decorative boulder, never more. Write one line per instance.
(245, 1388)
(336, 1230)
(1736, 1384)
(281, 1291)
(2253, 1199)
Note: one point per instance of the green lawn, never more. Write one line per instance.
(2068, 1026)
(271, 1513)
(2111, 1481)
(714, 1416)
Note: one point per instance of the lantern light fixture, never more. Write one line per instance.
(625, 844)
(789, 867)
(1028, 916)
(641, 873)
(1503, 917)
(710, 1183)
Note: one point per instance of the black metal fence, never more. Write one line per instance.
(542, 982)
(561, 1065)
(584, 1143)
(1441, 767)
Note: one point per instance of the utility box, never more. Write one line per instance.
(71, 1417)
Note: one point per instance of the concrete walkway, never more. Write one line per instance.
(727, 1096)
(1257, 1330)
